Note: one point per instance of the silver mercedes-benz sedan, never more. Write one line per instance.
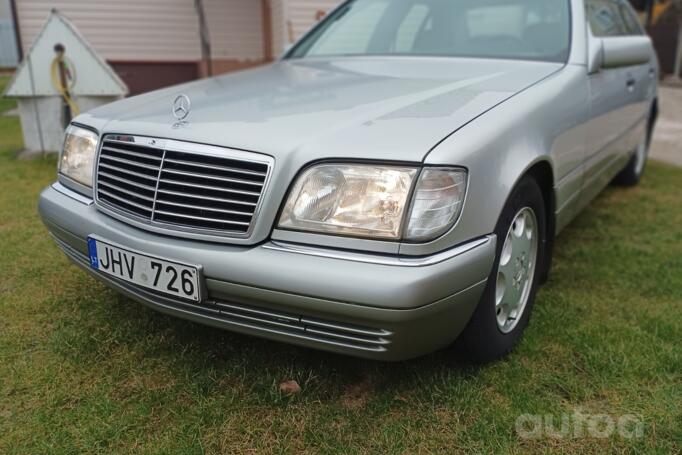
(394, 183)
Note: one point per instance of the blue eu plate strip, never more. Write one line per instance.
(92, 250)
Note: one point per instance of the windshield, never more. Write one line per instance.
(512, 29)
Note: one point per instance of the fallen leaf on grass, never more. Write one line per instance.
(290, 387)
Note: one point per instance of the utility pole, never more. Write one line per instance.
(204, 37)
(677, 4)
(17, 31)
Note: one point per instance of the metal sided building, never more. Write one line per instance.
(156, 43)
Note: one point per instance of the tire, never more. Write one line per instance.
(494, 329)
(632, 173)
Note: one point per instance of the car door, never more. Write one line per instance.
(640, 80)
(611, 97)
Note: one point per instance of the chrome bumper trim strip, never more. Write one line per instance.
(398, 261)
(72, 194)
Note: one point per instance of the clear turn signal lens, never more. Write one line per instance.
(437, 203)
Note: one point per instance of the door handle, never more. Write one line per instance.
(630, 84)
(652, 73)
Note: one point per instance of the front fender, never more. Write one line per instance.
(545, 122)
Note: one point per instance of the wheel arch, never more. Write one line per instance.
(543, 173)
(653, 117)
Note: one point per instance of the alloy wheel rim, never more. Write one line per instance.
(516, 270)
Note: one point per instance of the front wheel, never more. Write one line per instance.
(504, 310)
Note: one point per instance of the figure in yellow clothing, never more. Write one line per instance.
(64, 78)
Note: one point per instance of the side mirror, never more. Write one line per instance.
(621, 51)
(595, 54)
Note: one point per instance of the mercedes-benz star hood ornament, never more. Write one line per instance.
(181, 108)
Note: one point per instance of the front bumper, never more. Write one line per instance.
(364, 305)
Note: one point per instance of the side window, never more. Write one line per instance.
(605, 18)
(632, 24)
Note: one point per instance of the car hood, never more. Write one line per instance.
(388, 108)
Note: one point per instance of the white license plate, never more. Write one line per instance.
(162, 275)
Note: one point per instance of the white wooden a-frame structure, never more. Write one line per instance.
(92, 82)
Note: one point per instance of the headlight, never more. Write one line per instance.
(359, 200)
(78, 154)
(371, 201)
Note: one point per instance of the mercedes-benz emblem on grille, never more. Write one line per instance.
(181, 108)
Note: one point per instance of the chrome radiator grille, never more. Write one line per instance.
(181, 185)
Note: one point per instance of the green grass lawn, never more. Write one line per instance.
(83, 370)
(5, 103)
